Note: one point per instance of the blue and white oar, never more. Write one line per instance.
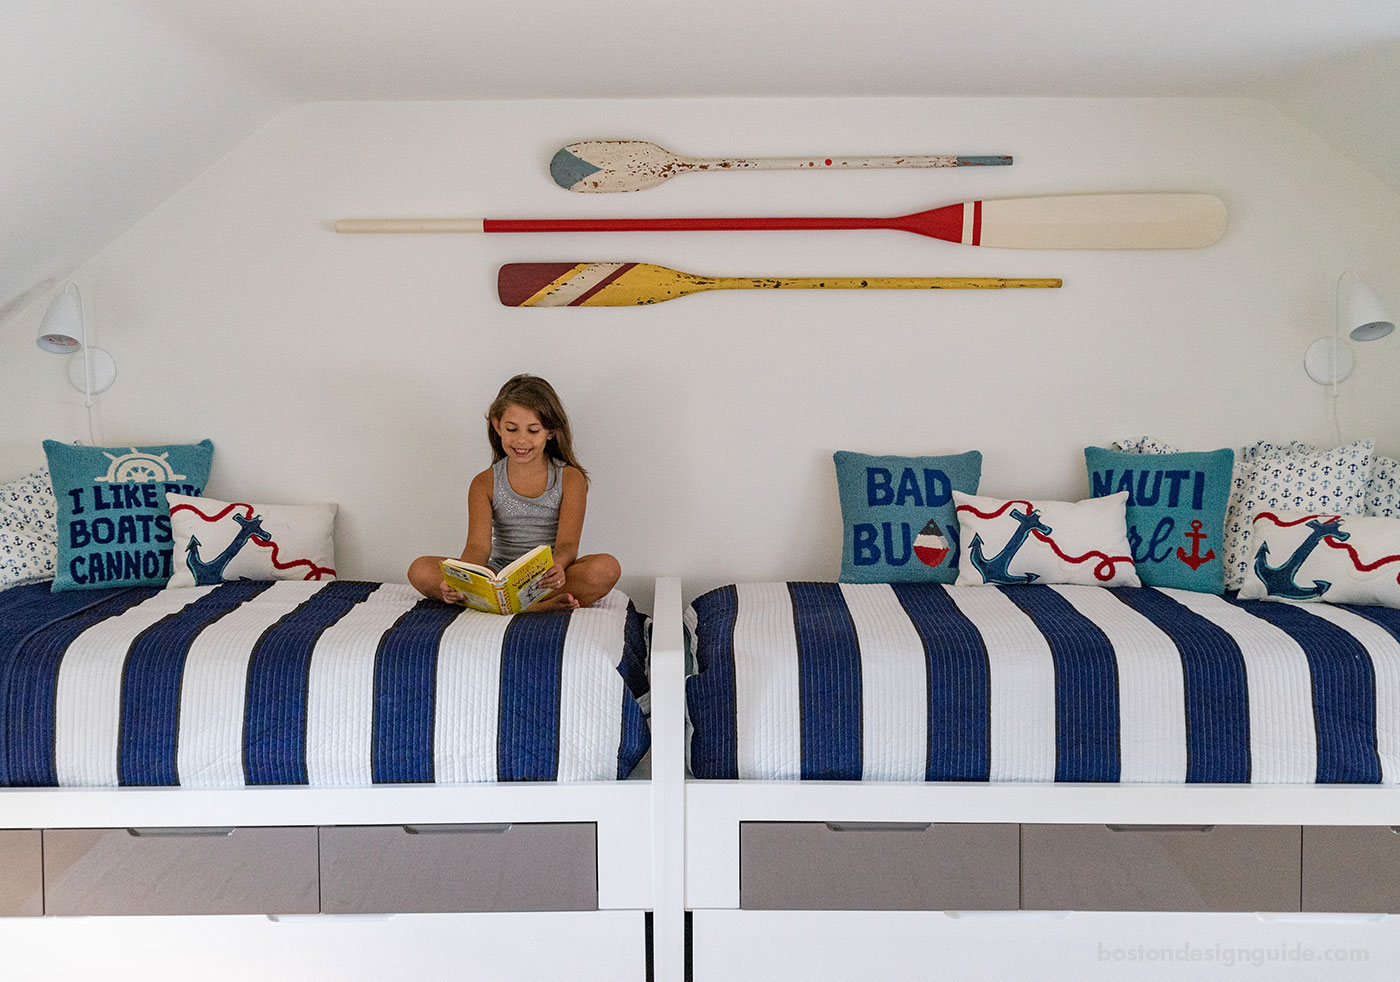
(595, 166)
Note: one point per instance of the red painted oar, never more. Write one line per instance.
(1081, 221)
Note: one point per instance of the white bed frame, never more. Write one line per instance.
(638, 873)
(729, 943)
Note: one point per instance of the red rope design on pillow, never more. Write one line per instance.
(1105, 569)
(1283, 525)
(313, 571)
(1107, 566)
(999, 512)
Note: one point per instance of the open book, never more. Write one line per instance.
(513, 589)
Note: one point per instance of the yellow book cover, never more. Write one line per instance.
(513, 589)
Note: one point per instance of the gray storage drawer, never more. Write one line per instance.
(21, 873)
(180, 871)
(877, 866)
(1155, 867)
(437, 868)
(1351, 868)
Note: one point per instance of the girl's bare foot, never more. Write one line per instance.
(557, 601)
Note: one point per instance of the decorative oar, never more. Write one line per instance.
(634, 284)
(634, 165)
(1078, 221)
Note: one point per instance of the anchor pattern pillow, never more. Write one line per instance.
(898, 515)
(28, 530)
(218, 541)
(113, 520)
(1383, 489)
(1175, 514)
(1014, 541)
(1310, 557)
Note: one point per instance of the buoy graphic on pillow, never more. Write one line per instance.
(930, 545)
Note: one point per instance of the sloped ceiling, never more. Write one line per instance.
(110, 106)
(105, 110)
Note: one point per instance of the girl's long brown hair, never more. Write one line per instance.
(535, 394)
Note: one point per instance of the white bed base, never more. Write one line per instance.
(638, 871)
(733, 944)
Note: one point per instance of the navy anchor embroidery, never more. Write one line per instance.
(994, 570)
(1279, 580)
(212, 572)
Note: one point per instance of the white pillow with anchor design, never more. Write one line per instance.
(1011, 541)
(222, 541)
(1343, 559)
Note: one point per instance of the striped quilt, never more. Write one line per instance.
(338, 683)
(924, 682)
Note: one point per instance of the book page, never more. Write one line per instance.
(479, 590)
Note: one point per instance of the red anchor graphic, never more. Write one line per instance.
(1195, 560)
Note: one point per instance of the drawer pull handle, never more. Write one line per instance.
(179, 833)
(457, 829)
(878, 826)
(1160, 828)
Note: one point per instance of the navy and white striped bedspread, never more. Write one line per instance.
(339, 683)
(911, 682)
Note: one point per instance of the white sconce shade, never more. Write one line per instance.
(1364, 315)
(61, 331)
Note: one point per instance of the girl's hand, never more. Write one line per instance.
(452, 596)
(553, 578)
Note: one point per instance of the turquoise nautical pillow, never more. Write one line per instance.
(899, 517)
(113, 518)
(1176, 512)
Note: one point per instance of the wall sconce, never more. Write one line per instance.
(91, 370)
(1364, 317)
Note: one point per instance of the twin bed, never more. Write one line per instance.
(322, 779)
(899, 781)
(1124, 781)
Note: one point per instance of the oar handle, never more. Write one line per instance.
(841, 163)
(873, 283)
(601, 224)
(410, 225)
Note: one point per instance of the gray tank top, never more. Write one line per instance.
(519, 524)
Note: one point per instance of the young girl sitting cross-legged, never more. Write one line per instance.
(534, 494)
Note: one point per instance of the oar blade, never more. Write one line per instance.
(605, 166)
(590, 284)
(1103, 221)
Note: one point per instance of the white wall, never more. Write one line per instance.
(356, 368)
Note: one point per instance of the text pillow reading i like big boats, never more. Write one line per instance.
(113, 518)
(1176, 512)
(900, 524)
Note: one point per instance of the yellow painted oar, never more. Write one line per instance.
(632, 284)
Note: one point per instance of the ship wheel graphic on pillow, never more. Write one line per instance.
(139, 467)
(931, 545)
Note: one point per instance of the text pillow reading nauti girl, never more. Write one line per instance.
(1176, 512)
(1007, 542)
